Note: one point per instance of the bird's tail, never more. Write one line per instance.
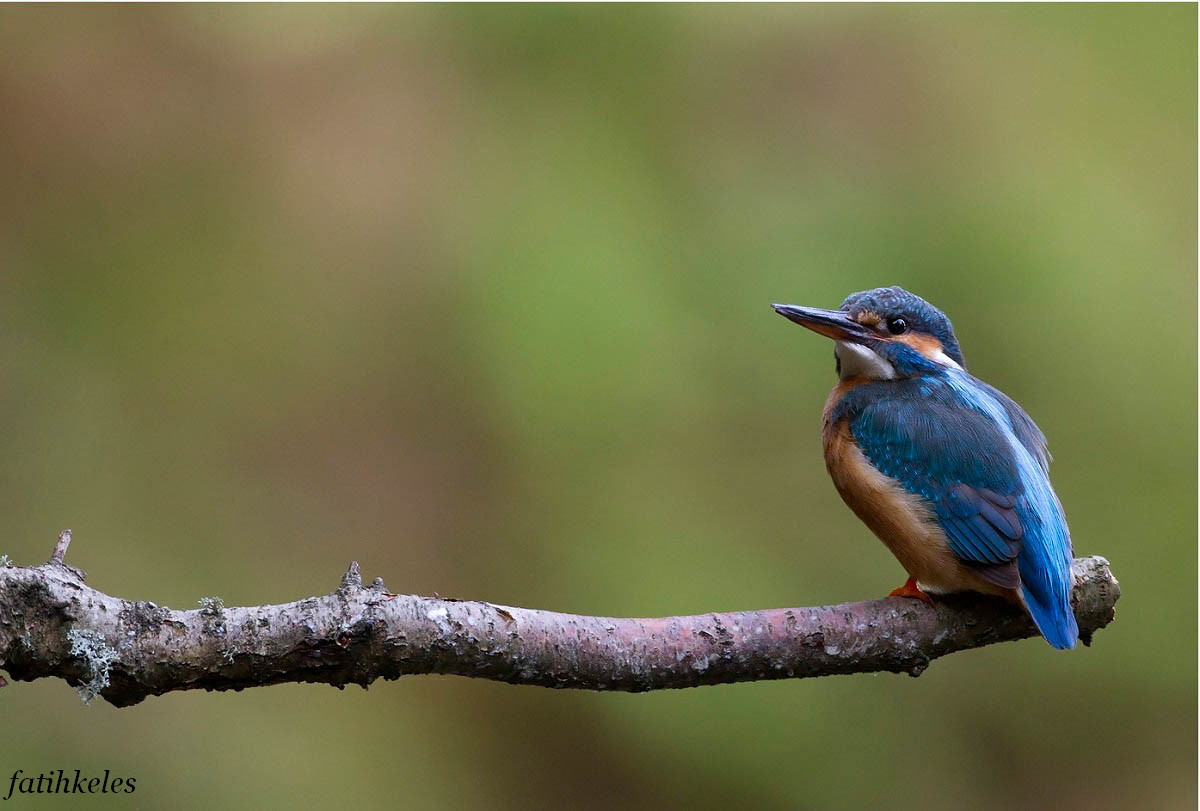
(1047, 593)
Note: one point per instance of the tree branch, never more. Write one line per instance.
(51, 624)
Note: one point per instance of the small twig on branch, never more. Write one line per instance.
(51, 624)
(60, 548)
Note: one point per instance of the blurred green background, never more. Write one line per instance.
(478, 297)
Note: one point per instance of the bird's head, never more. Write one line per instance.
(884, 334)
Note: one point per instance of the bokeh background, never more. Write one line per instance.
(478, 297)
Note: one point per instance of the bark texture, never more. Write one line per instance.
(51, 624)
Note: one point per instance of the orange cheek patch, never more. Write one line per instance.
(927, 345)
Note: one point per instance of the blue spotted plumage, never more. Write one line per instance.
(936, 461)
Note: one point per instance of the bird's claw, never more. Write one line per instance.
(910, 589)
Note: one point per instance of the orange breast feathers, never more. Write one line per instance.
(899, 518)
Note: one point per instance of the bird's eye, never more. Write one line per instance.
(897, 326)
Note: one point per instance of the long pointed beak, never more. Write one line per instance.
(833, 324)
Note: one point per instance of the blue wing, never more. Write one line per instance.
(981, 464)
(962, 464)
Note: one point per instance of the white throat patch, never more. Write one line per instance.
(944, 359)
(858, 361)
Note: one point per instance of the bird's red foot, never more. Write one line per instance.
(909, 589)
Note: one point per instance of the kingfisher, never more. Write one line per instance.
(950, 473)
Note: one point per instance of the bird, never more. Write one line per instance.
(949, 472)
